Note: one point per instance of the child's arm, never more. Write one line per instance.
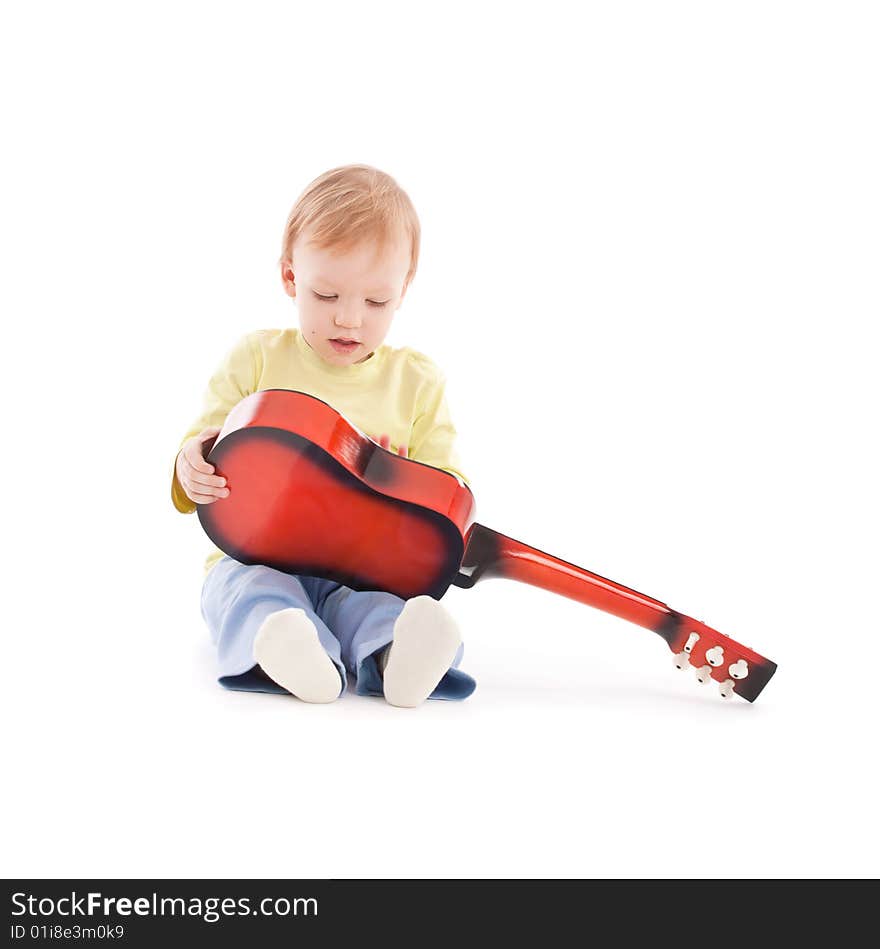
(433, 434)
(237, 376)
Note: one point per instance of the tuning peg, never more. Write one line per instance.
(726, 688)
(693, 639)
(682, 660)
(704, 674)
(739, 670)
(715, 656)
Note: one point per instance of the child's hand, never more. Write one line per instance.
(196, 475)
(385, 442)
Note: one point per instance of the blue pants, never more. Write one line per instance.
(352, 626)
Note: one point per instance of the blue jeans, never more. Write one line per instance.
(352, 626)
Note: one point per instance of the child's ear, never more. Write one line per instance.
(287, 279)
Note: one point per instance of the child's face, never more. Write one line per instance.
(349, 295)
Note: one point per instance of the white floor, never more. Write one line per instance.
(583, 753)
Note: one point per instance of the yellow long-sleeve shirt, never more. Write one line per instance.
(397, 391)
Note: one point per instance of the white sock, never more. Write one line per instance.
(426, 640)
(289, 651)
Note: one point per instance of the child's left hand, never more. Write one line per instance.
(385, 442)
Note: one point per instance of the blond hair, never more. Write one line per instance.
(350, 204)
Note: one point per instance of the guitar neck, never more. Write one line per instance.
(490, 554)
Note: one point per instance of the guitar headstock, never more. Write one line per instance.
(712, 655)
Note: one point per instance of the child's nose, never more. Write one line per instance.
(348, 317)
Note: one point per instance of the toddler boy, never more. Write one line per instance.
(349, 253)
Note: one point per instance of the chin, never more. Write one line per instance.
(340, 359)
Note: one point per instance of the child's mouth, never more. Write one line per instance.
(344, 346)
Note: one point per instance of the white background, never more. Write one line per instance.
(649, 271)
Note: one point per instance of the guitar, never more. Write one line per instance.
(310, 494)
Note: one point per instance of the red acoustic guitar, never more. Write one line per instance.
(310, 494)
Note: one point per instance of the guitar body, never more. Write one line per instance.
(310, 494)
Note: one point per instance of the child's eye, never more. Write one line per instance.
(332, 297)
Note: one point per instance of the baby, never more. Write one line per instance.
(349, 253)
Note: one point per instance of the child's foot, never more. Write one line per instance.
(426, 640)
(289, 651)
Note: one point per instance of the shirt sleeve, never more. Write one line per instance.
(433, 434)
(236, 377)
